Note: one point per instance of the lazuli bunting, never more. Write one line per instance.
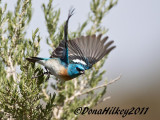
(72, 57)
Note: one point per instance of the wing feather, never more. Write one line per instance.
(87, 50)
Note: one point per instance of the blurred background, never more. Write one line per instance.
(134, 25)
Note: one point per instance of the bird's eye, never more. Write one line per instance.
(78, 69)
(81, 71)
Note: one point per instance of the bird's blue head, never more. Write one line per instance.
(75, 70)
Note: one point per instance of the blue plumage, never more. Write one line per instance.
(71, 58)
(75, 70)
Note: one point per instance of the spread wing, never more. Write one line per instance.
(85, 50)
(62, 50)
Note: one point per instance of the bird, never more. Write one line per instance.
(73, 57)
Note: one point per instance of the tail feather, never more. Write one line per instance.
(36, 59)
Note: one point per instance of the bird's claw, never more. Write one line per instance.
(48, 75)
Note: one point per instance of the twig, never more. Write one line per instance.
(91, 89)
(11, 69)
(104, 85)
(106, 98)
(45, 94)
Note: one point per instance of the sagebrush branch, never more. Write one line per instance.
(104, 85)
(91, 89)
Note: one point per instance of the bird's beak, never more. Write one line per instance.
(82, 72)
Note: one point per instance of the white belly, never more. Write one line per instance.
(56, 68)
(53, 66)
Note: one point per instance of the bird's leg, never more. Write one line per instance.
(48, 74)
(37, 76)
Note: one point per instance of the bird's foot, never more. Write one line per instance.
(47, 72)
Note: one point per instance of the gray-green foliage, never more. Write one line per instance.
(20, 93)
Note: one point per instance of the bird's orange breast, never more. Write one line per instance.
(63, 74)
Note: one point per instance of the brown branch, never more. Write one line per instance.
(104, 85)
(91, 89)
